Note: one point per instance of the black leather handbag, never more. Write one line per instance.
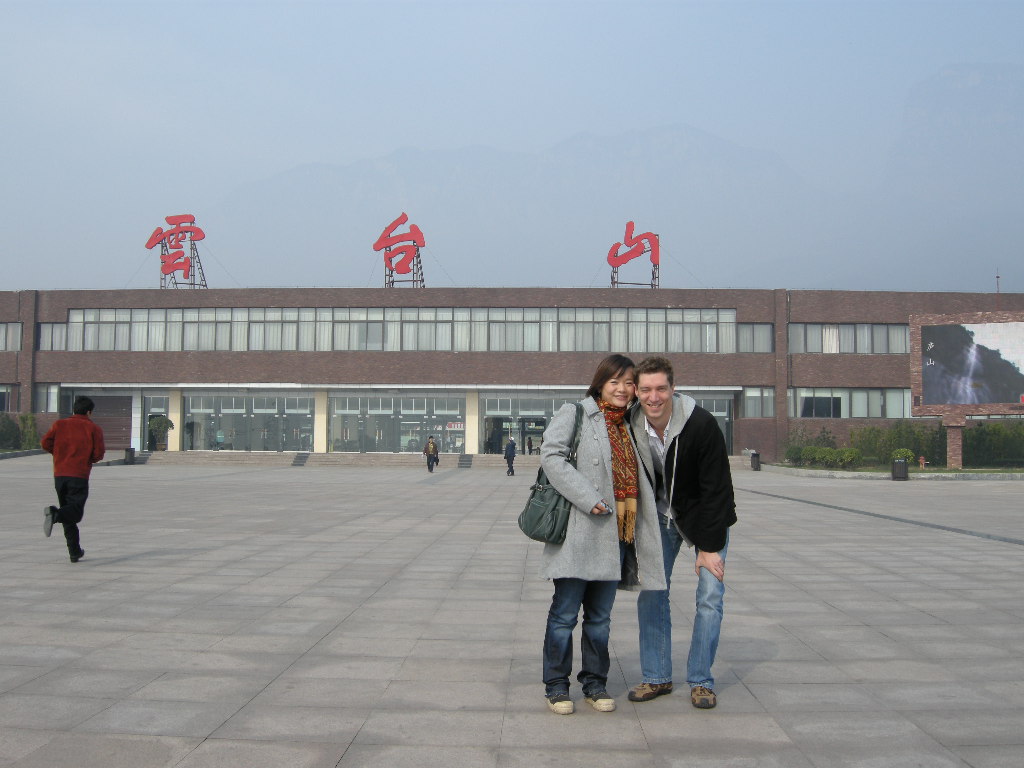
(546, 514)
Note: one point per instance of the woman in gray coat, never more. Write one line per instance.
(606, 519)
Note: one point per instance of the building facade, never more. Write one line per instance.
(378, 370)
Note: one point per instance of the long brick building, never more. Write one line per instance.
(377, 370)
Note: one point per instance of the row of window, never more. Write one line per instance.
(849, 338)
(10, 337)
(842, 403)
(568, 329)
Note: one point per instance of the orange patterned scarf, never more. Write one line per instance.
(624, 473)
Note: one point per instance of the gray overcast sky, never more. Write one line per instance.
(116, 114)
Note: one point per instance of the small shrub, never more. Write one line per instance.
(849, 458)
(10, 435)
(793, 455)
(903, 453)
(29, 433)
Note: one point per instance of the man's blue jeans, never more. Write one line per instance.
(655, 618)
(596, 598)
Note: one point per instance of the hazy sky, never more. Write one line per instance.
(116, 114)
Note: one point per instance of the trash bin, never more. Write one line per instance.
(755, 461)
(129, 455)
(900, 470)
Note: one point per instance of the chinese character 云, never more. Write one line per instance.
(390, 241)
(637, 245)
(183, 226)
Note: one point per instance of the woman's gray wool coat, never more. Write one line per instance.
(591, 548)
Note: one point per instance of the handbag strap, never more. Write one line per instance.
(571, 458)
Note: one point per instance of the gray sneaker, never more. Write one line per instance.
(48, 514)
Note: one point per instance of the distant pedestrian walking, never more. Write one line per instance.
(529, 446)
(76, 444)
(430, 451)
(510, 456)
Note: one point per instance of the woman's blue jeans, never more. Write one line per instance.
(654, 615)
(596, 599)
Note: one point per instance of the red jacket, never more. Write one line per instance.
(76, 444)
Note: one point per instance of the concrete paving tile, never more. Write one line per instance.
(257, 722)
(375, 756)
(12, 677)
(445, 728)
(527, 757)
(48, 712)
(15, 743)
(813, 697)
(104, 684)
(999, 756)
(232, 753)
(971, 727)
(205, 687)
(454, 670)
(322, 692)
(346, 667)
(87, 750)
(159, 718)
(439, 695)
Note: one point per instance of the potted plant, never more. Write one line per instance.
(900, 463)
(159, 426)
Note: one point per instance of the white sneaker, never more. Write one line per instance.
(560, 704)
(601, 701)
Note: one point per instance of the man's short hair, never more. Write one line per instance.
(83, 405)
(654, 365)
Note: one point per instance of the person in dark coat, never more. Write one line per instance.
(682, 451)
(76, 444)
(510, 456)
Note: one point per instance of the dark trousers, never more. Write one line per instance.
(509, 460)
(71, 495)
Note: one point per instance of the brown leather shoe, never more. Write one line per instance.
(648, 691)
(702, 698)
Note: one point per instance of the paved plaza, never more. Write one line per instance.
(245, 616)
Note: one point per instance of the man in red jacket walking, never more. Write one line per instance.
(76, 444)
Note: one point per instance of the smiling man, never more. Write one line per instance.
(683, 452)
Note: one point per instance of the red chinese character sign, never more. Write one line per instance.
(401, 253)
(172, 241)
(636, 245)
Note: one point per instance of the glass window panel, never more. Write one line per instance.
(256, 337)
(207, 336)
(324, 335)
(602, 337)
(879, 339)
(140, 339)
(289, 336)
(863, 331)
(392, 335)
(674, 338)
(478, 341)
(531, 314)
(548, 336)
(875, 403)
(727, 315)
(531, 337)
(619, 314)
(691, 337)
(496, 313)
(496, 337)
(898, 339)
(444, 313)
(514, 337)
(172, 331)
(764, 337)
(409, 335)
(567, 337)
(727, 337)
(272, 335)
(709, 337)
(584, 337)
(768, 402)
(752, 402)
(106, 336)
(745, 337)
(157, 337)
(443, 337)
(830, 339)
(814, 337)
(796, 338)
(424, 336)
(894, 403)
(460, 336)
(859, 403)
(223, 341)
(375, 336)
(655, 337)
(847, 338)
(190, 337)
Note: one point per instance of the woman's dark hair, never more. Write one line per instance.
(607, 369)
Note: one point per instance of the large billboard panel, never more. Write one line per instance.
(967, 364)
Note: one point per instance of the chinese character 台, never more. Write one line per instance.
(390, 241)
